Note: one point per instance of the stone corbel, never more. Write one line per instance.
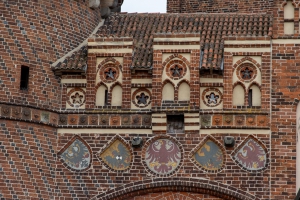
(94, 4)
(107, 6)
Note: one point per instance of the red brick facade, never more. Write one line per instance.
(139, 53)
(219, 6)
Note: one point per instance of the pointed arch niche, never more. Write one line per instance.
(168, 91)
(116, 95)
(254, 95)
(289, 14)
(183, 91)
(238, 96)
(102, 95)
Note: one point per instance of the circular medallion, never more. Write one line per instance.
(212, 97)
(76, 97)
(246, 72)
(163, 156)
(141, 98)
(176, 69)
(109, 73)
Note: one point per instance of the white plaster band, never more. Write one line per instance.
(247, 42)
(73, 80)
(165, 47)
(110, 51)
(188, 39)
(247, 50)
(191, 128)
(286, 41)
(159, 128)
(192, 120)
(121, 43)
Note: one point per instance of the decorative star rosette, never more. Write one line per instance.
(117, 155)
(212, 97)
(176, 69)
(76, 154)
(209, 155)
(246, 72)
(251, 155)
(162, 156)
(76, 97)
(109, 73)
(141, 98)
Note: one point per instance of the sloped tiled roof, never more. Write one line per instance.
(76, 62)
(212, 29)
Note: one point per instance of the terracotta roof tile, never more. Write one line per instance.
(212, 28)
(143, 26)
(76, 62)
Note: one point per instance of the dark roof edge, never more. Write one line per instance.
(84, 43)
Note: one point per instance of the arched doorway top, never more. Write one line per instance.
(194, 185)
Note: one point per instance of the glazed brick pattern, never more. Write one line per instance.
(285, 98)
(219, 6)
(28, 160)
(36, 34)
(99, 179)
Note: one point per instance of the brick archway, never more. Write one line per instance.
(175, 196)
(189, 186)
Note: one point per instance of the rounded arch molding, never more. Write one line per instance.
(109, 60)
(175, 184)
(247, 58)
(176, 55)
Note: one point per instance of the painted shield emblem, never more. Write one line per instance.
(163, 156)
(251, 155)
(77, 155)
(209, 156)
(117, 156)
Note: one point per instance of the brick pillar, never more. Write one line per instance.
(194, 80)
(227, 79)
(265, 82)
(126, 84)
(91, 74)
(156, 80)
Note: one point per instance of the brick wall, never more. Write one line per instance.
(36, 34)
(27, 154)
(219, 6)
(285, 97)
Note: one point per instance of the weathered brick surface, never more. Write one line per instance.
(28, 160)
(219, 6)
(36, 34)
(285, 98)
